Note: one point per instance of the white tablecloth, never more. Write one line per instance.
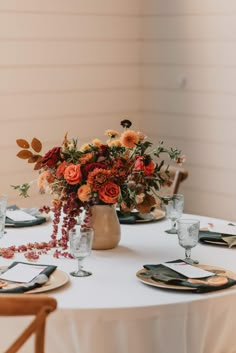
(113, 312)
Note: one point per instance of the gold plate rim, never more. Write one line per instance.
(57, 279)
(160, 214)
(160, 284)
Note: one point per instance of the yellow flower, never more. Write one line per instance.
(112, 133)
(115, 143)
(97, 142)
(84, 147)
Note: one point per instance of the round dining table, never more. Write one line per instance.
(112, 311)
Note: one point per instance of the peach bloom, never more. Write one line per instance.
(139, 198)
(97, 142)
(60, 169)
(86, 158)
(44, 180)
(129, 138)
(141, 136)
(72, 174)
(84, 147)
(84, 192)
(115, 143)
(112, 133)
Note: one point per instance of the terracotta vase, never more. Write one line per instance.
(106, 226)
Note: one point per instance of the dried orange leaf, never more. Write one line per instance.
(38, 165)
(36, 145)
(34, 158)
(22, 143)
(24, 154)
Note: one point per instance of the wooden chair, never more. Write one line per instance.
(176, 176)
(36, 305)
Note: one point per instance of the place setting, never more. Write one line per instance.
(24, 277)
(187, 274)
(17, 217)
(136, 217)
(219, 235)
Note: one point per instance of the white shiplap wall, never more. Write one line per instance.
(79, 66)
(189, 94)
(65, 65)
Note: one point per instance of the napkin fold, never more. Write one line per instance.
(37, 282)
(225, 239)
(166, 275)
(39, 219)
(133, 217)
(126, 218)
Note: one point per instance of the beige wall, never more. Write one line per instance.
(65, 65)
(82, 66)
(189, 94)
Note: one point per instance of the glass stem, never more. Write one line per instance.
(79, 265)
(188, 253)
(172, 222)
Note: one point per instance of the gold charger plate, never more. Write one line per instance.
(57, 279)
(214, 242)
(219, 272)
(156, 214)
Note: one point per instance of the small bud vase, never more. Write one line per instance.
(105, 223)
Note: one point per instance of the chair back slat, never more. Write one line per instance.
(38, 306)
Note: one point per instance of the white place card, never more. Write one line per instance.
(188, 270)
(18, 215)
(222, 229)
(22, 273)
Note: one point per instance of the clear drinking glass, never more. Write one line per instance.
(174, 206)
(80, 247)
(188, 235)
(3, 209)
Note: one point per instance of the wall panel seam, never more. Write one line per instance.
(187, 90)
(71, 13)
(91, 115)
(68, 91)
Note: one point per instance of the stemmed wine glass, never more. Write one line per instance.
(188, 235)
(80, 247)
(174, 206)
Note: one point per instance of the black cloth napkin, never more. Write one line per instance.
(205, 236)
(17, 224)
(129, 218)
(36, 283)
(132, 218)
(166, 275)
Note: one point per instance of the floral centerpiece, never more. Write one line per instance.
(126, 170)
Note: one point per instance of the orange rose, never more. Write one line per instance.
(109, 193)
(148, 169)
(83, 192)
(72, 174)
(60, 169)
